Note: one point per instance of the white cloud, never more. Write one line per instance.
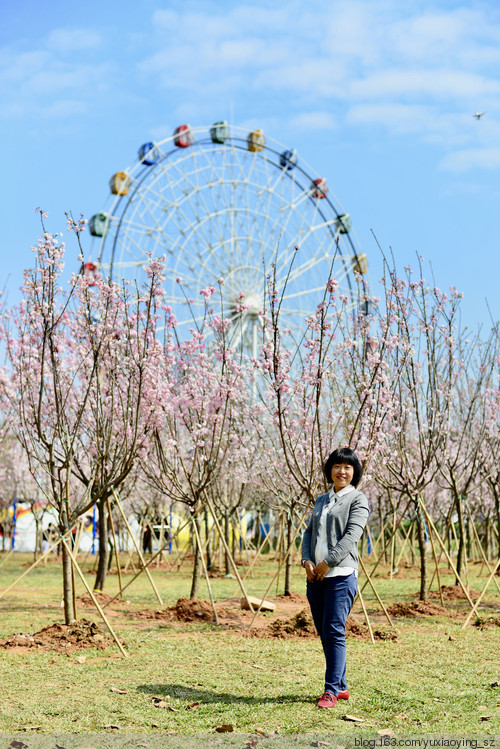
(442, 83)
(359, 52)
(49, 82)
(471, 158)
(394, 117)
(312, 121)
(71, 40)
(403, 68)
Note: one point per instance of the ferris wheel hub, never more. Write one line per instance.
(253, 303)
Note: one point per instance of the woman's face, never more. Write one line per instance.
(342, 474)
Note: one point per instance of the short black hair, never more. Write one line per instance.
(344, 455)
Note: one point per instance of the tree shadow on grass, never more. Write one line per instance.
(182, 692)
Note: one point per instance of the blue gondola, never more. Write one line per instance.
(288, 159)
(149, 154)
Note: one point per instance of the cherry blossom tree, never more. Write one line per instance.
(423, 319)
(200, 386)
(73, 390)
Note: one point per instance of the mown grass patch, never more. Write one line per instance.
(424, 682)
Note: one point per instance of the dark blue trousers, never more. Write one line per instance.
(331, 600)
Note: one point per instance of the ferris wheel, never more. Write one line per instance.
(224, 203)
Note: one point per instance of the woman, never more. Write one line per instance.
(330, 559)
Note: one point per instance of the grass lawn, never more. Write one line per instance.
(435, 679)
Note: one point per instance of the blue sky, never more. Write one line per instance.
(376, 96)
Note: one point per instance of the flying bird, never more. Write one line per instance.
(478, 115)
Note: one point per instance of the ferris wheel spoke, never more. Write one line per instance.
(320, 248)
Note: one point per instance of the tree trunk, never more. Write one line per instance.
(102, 565)
(227, 563)
(67, 570)
(497, 510)
(69, 609)
(461, 538)
(421, 547)
(235, 544)
(289, 560)
(256, 536)
(38, 537)
(195, 582)
(207, 536)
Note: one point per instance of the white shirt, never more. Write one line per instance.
(321, 551)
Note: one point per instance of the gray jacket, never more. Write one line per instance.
(344, 527)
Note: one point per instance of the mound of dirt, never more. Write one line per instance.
(417, 609)
(453, 593)
(355, 628)
(185, 610)
(100, 596)
(78, 636)
(300, 625)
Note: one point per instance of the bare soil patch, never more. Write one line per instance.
(486, 623)
(418, 609)
(81, 635)
(453, 593)
(185, 610)
(102, 598)
(292, 597)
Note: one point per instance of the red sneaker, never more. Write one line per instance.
(343, 694)
(327, 700)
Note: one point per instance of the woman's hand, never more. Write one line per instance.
(321, 570)
(310, 571)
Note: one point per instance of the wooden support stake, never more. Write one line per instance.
(387, 542)
(117, 556)
(406, 537)
(94, 599)
(259, 551)
(445, 535)
(474, 608)
(228, 551)
(365, 612)
(437, 571)
(119, 505)
(147, 563)
(393, 544)
(485, 559)
(282, 562)
(375, 591)
(433, 527)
